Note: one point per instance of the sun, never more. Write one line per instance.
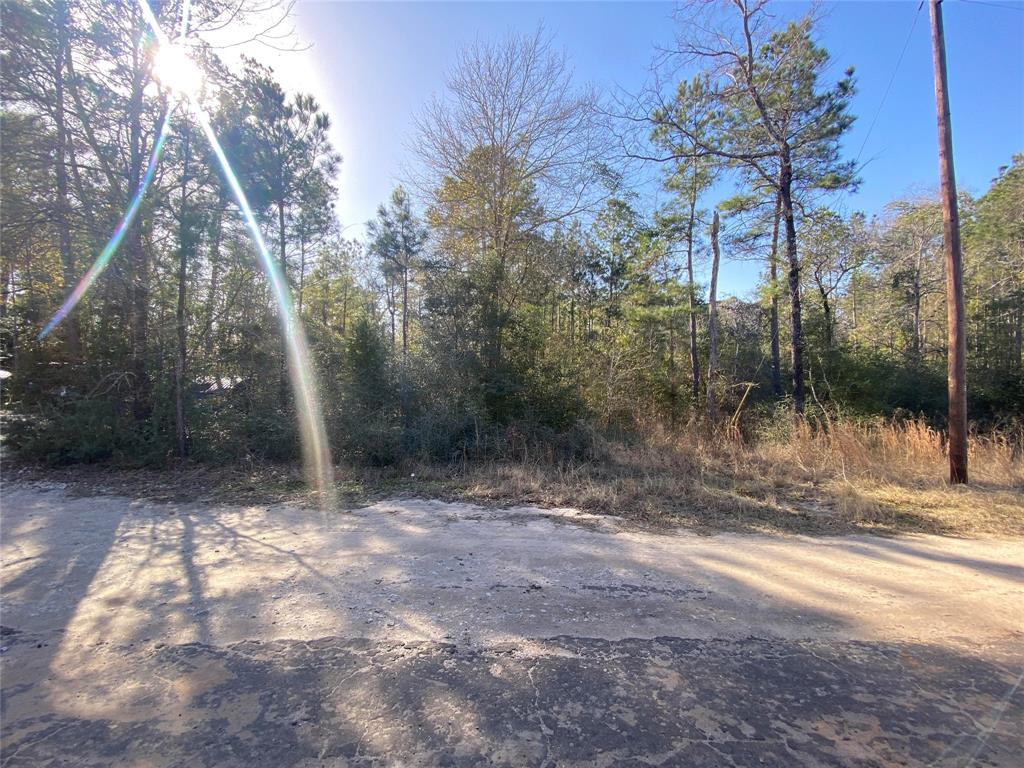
(174, 69)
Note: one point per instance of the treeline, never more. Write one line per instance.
(513, 297)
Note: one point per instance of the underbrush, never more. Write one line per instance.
(778, 475)
(878, 476)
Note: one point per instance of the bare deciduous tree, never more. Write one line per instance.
(517, 98)
(512, 148)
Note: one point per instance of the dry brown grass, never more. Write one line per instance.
(874, 477)
(877, 477)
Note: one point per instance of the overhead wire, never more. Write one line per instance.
(1004, 6)
(892, 79)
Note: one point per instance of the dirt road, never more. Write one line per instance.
(418, 633)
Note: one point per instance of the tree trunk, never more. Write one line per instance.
(572, 325)
(916, 285)
(796, 326)
(8, 342)
(282, 257)
(1018, 336)
(713, 322)
(282, 380)
(853, 301)
(673, 384)
(72, 333)
(773, 322)
(393, 312)
(211, 298)
(826, 310)
(302, 270)
(184, 246)
(138, 254)
(496, 320)
(405, 311)
(690, 289)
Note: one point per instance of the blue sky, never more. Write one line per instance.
(372, 65)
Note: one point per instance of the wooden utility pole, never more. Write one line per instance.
(955, 339)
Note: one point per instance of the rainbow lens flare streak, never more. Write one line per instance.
(115, 240)
(316, 452)
(315, 449)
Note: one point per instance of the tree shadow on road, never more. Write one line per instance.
(123, 615)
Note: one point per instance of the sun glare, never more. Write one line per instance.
(176, 70)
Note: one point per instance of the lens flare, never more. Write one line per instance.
(115, 240)
(175, 70)
(315, 449)
(316, 452)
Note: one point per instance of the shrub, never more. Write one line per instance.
(82, 431)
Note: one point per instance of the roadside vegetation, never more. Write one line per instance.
(519, 323)
(875, 476)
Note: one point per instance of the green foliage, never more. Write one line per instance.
(872, 383)
(536, 315)
(366, 368)
(83, 431)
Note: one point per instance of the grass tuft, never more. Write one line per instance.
(877, 476)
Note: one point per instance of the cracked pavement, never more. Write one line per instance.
(422, 633)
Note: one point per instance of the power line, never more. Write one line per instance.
(892, 79)
(995, 5)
